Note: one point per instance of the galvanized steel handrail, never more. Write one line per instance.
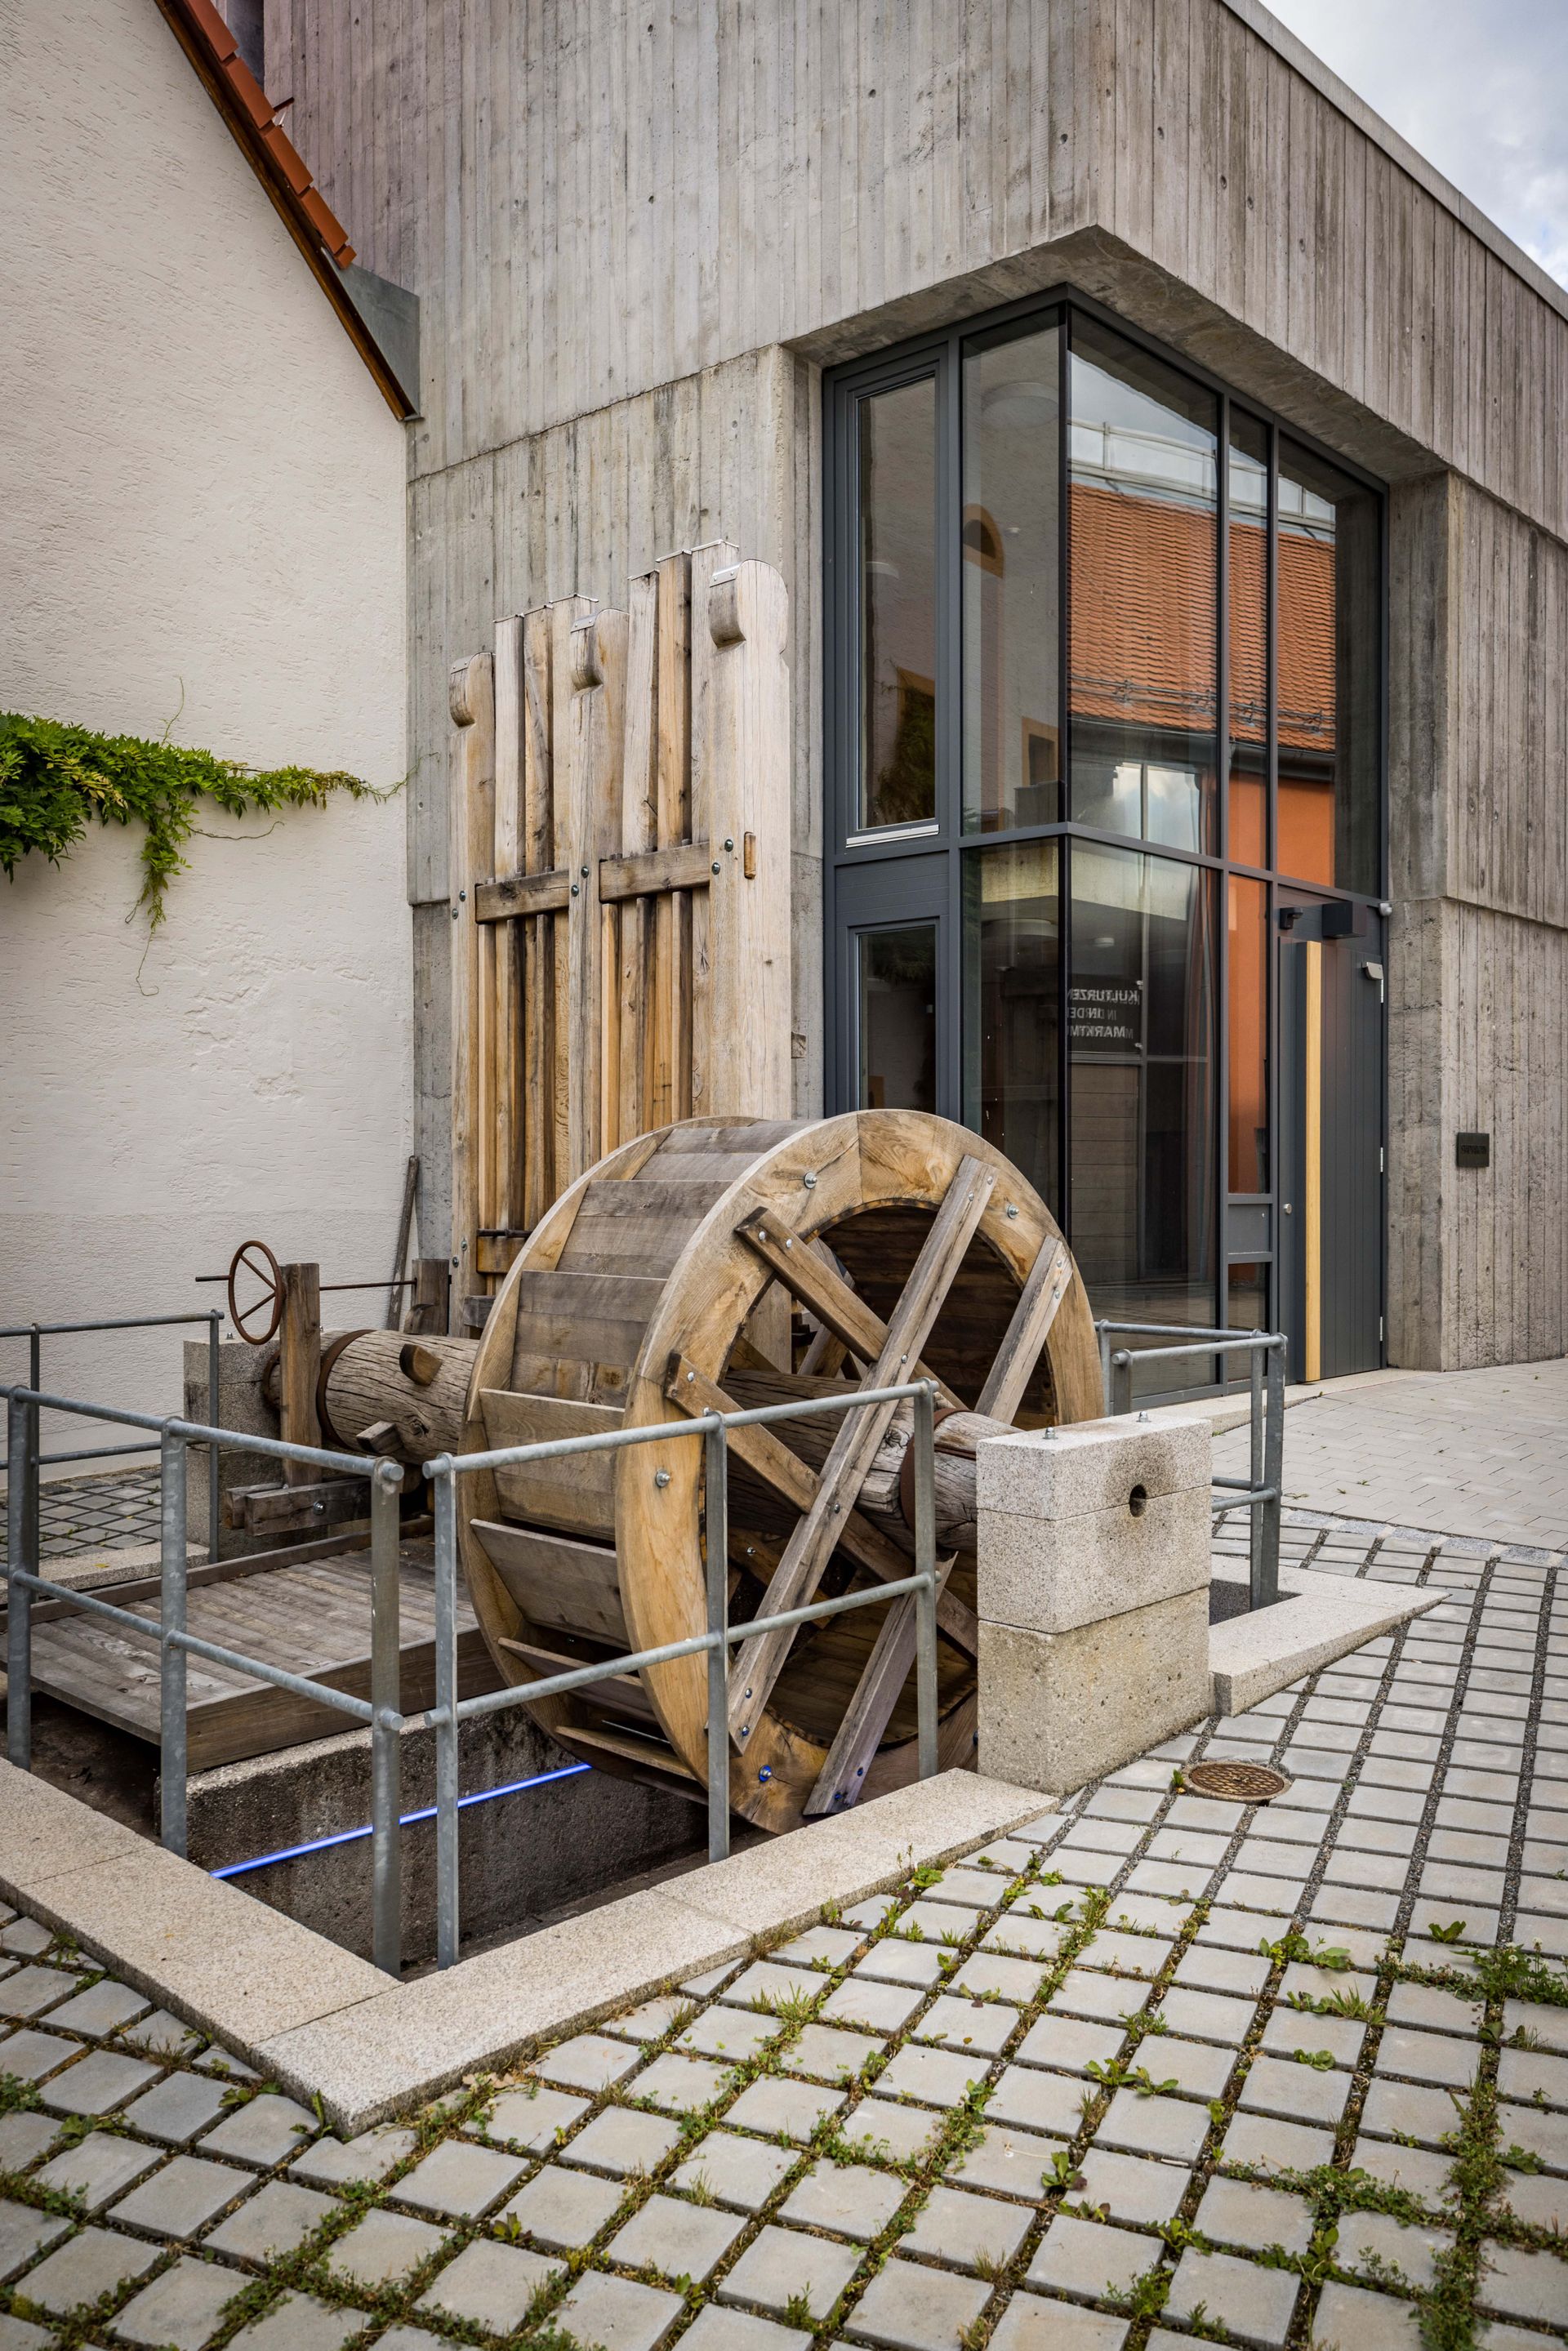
(382, 1712)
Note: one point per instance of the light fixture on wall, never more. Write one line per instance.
(1025, 406)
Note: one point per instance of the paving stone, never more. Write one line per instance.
(993, 1971)
(30, 1991)
(1239, 2213)
(1278, 1896)
(778, 2104)
(615, 2313)
(101, 2009)
(162, 2035)
(490, 2285)
(919, 2309)
(338, 2163)
(1255, 2304)
(890, 2134)
(1537, 2198)
(25, 1938)
(1068, 2045)
(1540, 2134)
(781, 2264)
(1008, 2162)
(1155, 2125)
(1429, 2010)
(740, 2173)
(1019, 1932)
(589, 2061)
(90, 2265)
(179, 2309)
(1207, 2016)
(1300, 2092)
(728, 2035)
(1191, 1846)
(263, 2131)
(564, 2209)
(458, 2180)
(649, 2021)
(29, 2054)
(275, 2220)
(1378, 2241)
(224, 2061)
(299, 2323)
(885, 2008)
(1010, 1855)
(892, 1961)
(1239, 1974)
(765, 1983)
(712, 1980)
(741, 2330)
(1400, 2110)
(383, 2249)
(1530, 2074)
(849, 2198)
(1545, 2027)
(676, 2238)
(1131, 2188)
(1198, 2068)
(1037, 2101)
(1266, 2144)
(182, 2198)
(974, 2231)
(1129, 1955)
(1290, 2029)
(938, 2077)
(1353, 1906)
(534, 2117)
(1178, 1880)
(621, 2140)
(821, 1945)
(1094, 1836)
(1433, 2057)
(1419, 2170)
(101, 2167)
(1350, 2319)
(24, 2233)
(1524, 2284)
(22, 2138)
(1085, 2257)
(971, 1889)
(101, 2081)
(1103, 1998)
(834, 2054)
(680, 2086)
(1033, 2322)
(938, 1922)
(970, 2026)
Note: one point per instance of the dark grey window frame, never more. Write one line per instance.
(939, 355)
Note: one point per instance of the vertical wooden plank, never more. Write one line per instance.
(564, 616)
(719, 555)
(592, 821)
(539, 930)
(508, 858)
(639, 832)
(471, 694)
(745, 779)
(669, 1047)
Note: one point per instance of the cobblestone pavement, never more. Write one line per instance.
(116, 1511)
(1155, 2067)
(1476, 1453)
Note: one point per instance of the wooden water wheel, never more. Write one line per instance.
(669, 1280)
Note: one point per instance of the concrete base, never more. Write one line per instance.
(1316, 1619)
(1056, 1709)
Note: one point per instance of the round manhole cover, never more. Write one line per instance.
(1243, 1783)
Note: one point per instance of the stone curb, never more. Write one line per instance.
(1316, 1619)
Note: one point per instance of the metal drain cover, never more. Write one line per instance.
(1243, 1783)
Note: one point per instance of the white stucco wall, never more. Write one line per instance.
(203, 530)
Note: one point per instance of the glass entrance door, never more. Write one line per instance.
(896, 1046)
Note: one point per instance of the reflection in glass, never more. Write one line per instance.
(897, 1017)
(1012, 946)
(1011, 560)
(1248, 492)
(1141, 1033)
(1143, 523)
(898, 604)
(1248, 1305)
(1248, 916)
(1329, 814)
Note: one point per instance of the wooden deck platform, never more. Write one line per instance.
(312, 1616)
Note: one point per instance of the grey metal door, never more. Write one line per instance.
(1331, 1112)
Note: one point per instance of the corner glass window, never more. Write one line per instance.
(1143, 531)
(1012, 995)
(898, 455)
(896, 1020)
(1012, 562)
(1330, 659)
(1247, 491)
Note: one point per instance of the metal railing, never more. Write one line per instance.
(37, 1332)
(381, 1712)
(1258, 1493)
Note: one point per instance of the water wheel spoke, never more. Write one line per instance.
(824, 1292)
(842, 1776)
(1026, 1333)
(760, 1660)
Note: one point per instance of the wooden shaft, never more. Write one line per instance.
(300, 1335)
(369, 1382)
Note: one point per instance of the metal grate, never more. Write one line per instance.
(1243, 1783)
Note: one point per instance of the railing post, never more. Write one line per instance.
(1104, 1330)
(1120, 1383)
(172, 1658)
(446, 1890)
(214, 1324)
(1266, 1574)
(35, 1426)
(21, 1419)
(925, 1440)
(715, 1446)
(386, 1730)
(1255, 1364)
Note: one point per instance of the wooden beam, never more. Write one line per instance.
(1026, 1333)
(859, 1735)
(827, 1295)
(299, 1366)
(795, 1482)
(761, 1659)
(288, 1509)
(521, 894)
(650, 871)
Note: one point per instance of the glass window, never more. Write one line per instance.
(897, 437)
(1145, 594)
(1012, 951)
(1141, 1031)
(1012, 555)
(1330, 653)
(896, 1021)
(1246, 489)
(1247, 987)
(1248, 1305)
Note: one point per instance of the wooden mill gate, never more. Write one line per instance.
(619, 886)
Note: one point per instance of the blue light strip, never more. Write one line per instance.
(405, 1820)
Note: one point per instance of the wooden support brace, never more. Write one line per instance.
(842, 1776)
(299, 1366)
(1026, 1333)
(828, 1296)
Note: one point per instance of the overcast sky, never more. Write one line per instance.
(1479, 85)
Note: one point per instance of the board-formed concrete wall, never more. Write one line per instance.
(203, 511)
(626, 232)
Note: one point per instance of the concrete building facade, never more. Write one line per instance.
(669, 259)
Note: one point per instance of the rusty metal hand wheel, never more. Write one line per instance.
(270, 1303)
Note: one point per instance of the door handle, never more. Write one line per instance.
(1375, 971)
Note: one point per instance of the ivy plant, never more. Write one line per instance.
(55, 779)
